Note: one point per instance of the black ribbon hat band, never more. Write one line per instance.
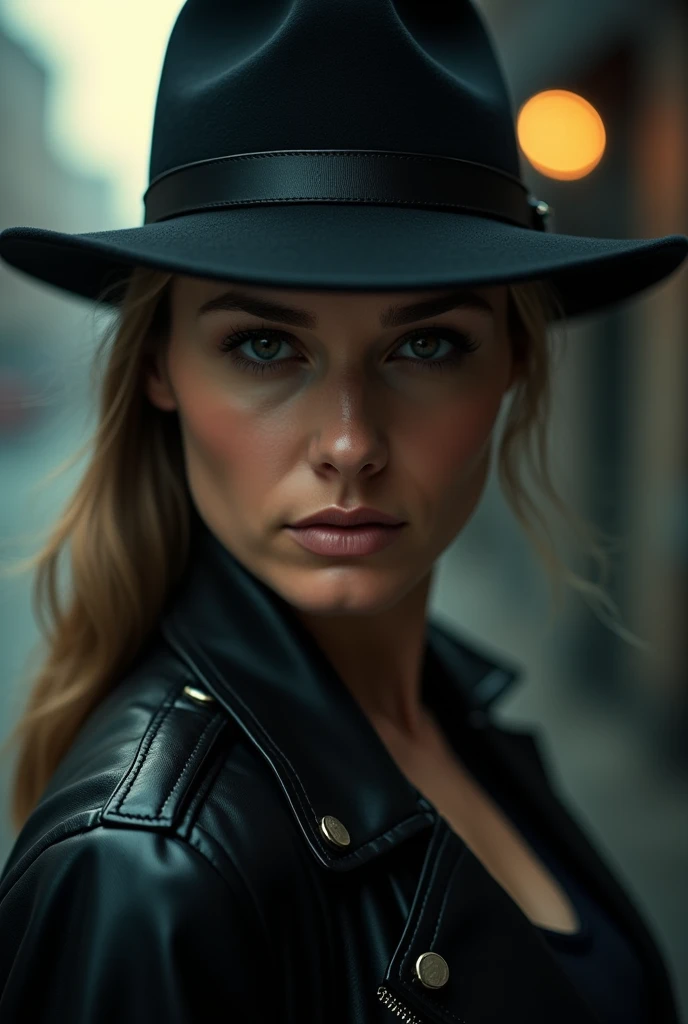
(354, 176)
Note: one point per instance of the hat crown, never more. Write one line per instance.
(397, 75)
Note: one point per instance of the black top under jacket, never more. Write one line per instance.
(228, 839)
(601, 961)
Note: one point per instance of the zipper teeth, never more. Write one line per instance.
(394, 1004)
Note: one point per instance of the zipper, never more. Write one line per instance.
(396, 1006)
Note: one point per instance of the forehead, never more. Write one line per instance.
(198, 298)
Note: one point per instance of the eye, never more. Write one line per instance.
(460, 345)
(267, 342)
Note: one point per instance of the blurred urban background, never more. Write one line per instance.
(77, 92)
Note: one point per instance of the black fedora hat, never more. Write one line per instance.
(340, 144)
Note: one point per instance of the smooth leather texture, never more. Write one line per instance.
(176, 868)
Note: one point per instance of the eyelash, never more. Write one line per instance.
(461, 342)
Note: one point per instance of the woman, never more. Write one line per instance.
(254, 780)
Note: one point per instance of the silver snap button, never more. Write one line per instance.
(200, 696)
(432, 970)
(333, 830)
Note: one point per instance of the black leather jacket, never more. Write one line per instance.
(228, 839)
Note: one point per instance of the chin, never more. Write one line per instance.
(339, 590)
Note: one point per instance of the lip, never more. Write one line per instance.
(348, 541)
(335, 516)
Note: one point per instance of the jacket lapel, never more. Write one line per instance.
(245, 646)
(500, 968)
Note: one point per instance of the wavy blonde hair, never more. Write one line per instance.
(127, 523)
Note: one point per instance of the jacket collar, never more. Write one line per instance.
(246, 647)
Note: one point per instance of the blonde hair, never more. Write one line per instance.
(127, 523)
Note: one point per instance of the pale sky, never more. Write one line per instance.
(104, 59)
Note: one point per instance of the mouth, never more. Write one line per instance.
(351, 541)
(338, 516)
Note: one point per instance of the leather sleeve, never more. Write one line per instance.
(126, 925)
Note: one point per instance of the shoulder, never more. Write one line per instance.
(151, 837)
(121, 924)
(140, 772)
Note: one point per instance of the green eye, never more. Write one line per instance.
(461, 345)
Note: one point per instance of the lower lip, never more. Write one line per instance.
(345, 540)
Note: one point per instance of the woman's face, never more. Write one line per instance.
(357, 404)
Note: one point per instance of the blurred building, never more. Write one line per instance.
(37, 322)
(621, 418)
(44, 343)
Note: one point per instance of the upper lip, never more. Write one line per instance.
(334, 516)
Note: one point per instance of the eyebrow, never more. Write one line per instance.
(393, 316)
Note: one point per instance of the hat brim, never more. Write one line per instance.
(346, 246)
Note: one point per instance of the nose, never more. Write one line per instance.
(348, 439)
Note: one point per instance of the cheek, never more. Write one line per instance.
(453, 441)
(232, 442)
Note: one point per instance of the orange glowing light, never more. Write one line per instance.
(561, 134)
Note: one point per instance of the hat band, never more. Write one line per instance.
(343, 176)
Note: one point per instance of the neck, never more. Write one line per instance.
(380, 660)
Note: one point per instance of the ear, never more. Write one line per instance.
(157, 383)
